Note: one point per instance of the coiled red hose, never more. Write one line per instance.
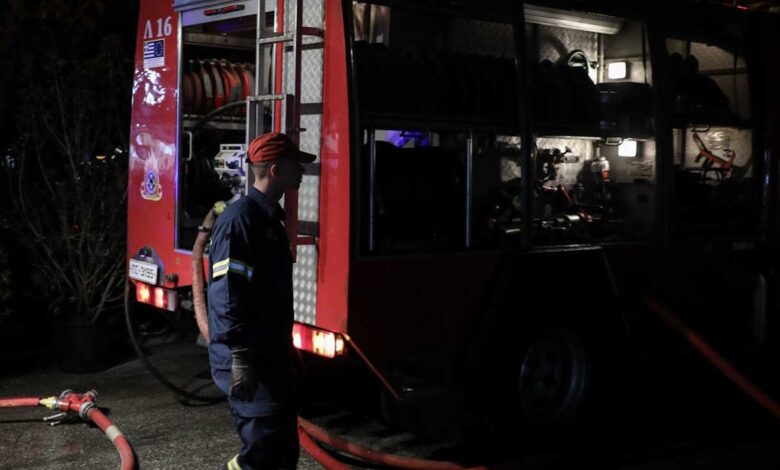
(735, 376)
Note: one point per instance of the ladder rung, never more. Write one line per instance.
(308, 46)
(311, 108)
(276, 38)
(313, 169)
(265, 98)
(310, 31)
(308, 228)
(306, 241)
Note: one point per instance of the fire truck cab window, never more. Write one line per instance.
(594, 154)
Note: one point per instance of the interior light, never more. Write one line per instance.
(617, 70)
(627, 148)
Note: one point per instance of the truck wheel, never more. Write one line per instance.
(554, 376)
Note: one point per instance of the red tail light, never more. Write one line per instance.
(160, 297)
(318, 341)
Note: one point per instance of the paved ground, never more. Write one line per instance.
(164, 433)
(672, 420)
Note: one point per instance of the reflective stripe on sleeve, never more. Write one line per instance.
(234, 266)
(220, 268)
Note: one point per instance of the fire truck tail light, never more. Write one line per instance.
(143, 293)
(159, 297)
(321, 342)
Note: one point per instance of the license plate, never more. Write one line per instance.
(141, 271)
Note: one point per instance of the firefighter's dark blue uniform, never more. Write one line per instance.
(250, 300)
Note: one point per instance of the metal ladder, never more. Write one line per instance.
(289, 103)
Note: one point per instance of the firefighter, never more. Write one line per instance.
(250, 299)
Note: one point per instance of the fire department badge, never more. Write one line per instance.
(150, 187)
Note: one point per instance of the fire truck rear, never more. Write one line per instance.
(495, 182)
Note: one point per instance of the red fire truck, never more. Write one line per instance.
(495, 180)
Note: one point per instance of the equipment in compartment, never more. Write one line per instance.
(230, 166)
(709, 160)
(572, 194)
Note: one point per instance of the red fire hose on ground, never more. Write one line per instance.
(83, 405)
(318, 453)
(709, 353)
(312, 432)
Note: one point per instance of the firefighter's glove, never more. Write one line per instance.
(243, 381)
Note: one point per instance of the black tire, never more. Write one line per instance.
(553, 377)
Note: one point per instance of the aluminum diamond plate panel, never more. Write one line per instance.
(581, 150)
(305, 285)
(714, 58)
(290, 7)
(737, 90)
(311, 76)
(510, 169)
(579, 147)
(481, 38)
(310, 139)
(313, 13)
(308, 199)
(309, 194)
(555, 43)
(305, 268)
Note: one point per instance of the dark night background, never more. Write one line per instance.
(65, 100)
